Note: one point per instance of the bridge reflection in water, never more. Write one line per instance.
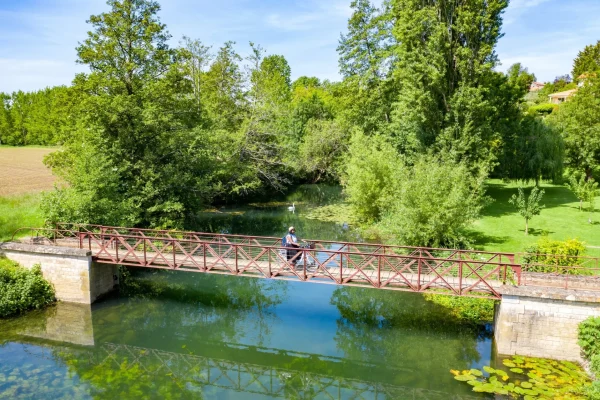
(194, 373)
(112, 367)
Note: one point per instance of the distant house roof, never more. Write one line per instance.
(535, 86)
(566, 93)
(586, 75)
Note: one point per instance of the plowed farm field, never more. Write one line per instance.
(22, 170)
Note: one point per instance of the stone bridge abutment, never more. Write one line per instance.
(74, 274)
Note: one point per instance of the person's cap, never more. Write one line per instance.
(291, 229)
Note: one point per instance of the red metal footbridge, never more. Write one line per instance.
(416, 269)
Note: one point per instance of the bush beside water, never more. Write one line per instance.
(589, 340)
(22, 289)
(474, 311)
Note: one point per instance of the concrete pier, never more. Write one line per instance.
(73, 273)
(543, 322)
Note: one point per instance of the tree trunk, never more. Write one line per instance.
(580, 204)
(526, 227)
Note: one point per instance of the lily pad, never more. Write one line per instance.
(526, 385)
(476, 372)
(489, 370)
(516, 370)
(465, 378)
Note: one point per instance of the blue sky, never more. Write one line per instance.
(38, 37)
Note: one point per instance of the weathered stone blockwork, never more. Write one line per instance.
(543, 322)
(75, 277)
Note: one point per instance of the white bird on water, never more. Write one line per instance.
(292, 208)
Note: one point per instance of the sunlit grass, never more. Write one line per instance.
(502, 229)
(19, 211)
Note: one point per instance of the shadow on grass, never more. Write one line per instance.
(480, 239)
(537, 232)
(554, 196)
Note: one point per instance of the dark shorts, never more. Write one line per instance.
(291, 252)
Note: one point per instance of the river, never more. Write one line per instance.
(190, 335)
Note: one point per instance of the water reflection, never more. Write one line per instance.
(186, 335)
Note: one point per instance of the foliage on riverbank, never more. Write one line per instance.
(589, 340)
(473, 311)
(22, 289)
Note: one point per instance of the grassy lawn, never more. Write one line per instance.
(19, 211)
(502, 229)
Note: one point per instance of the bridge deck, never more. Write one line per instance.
(411, 272)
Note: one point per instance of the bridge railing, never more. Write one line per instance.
(72, 229)
(457, 272)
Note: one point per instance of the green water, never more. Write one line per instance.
(190, 335)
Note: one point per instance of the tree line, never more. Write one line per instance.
(420, 119)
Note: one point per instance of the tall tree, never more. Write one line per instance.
(133, 159)
(587, 60)
(223, 95)
(367, 61)
(579, 121)
(445, 54)
(195, 58)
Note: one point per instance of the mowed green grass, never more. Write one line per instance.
(19, 211)
(502, 229)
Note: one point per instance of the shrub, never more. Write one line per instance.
(543, 109)
(589, 341)
(369, 179)
(470, 310)
(22, 289)
(546, 254)
(589, 338)
(437, 200)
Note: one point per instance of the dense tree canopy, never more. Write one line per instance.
(153, 132)
(587, 60)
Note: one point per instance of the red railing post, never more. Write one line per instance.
(379, 270)
(341, 267)
(304, 263)
(116, 249)
(235, 248)
(419, 274)
(145, 257)
(204, 255)
(174, 255)
(269, 253)
(460, 275)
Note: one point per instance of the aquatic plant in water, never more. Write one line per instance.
(529, 378)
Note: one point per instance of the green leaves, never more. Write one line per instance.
(22, 289)
(528, 206)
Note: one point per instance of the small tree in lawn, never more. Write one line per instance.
(579, 187)
(528, 207)
(591, 190)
